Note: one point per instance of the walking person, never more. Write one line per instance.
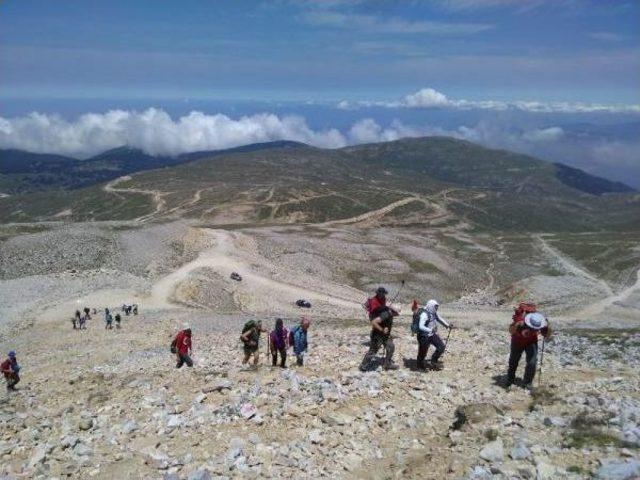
(83, 322)
(118, 319)
(183, 346)
(87, 312)
(10, 369)
(108, 319)
(381, 326)
(278, 343)
(428, 334)
(251, 339)
(526, 323)
(376, 304)
(298, 337)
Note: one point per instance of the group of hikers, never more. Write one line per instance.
(279, 341)
(527, 324)
(79, 320)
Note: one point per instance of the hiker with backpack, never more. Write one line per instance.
(87, 312)
(381, 326)
(526, 323)
(118, 319)
(108, 319)
(10, 370)
(251, 339)
(376, 304)
(425, 327)
(182, 347)
(298, 338)
(278, 343)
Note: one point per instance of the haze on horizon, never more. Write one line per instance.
(556, 79)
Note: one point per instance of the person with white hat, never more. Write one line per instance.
(427, 334)
(527, 322)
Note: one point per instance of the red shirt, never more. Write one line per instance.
(5, 367)
(374, 305)
(183, 343)
(524, 336)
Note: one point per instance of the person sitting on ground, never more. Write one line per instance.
(376, 304)
(183, 347)
(118, 319)
(251, 340)
(108, 319)
(381, 326)
(298, 337)
(278, 343)
(10, 370)
(428, 335)
(524, 328)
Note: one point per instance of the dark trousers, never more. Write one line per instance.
(532, 360)
(184, 358)
(423, 346)
(377, 341)
(283, 357)
(12, 380)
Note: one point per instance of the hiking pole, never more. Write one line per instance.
(446, 342)
(541, 360)
(398, 292)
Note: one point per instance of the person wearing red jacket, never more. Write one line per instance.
(183, 347)
(10, 369)
(525, 326)
(376, 304)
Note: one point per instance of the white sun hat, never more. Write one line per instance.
(535, 321)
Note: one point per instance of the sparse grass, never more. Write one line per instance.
(589, 431)
(418, 266)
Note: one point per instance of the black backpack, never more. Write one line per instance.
(415, 323)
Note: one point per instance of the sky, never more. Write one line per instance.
(559, 79)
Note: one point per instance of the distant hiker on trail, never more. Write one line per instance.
(298, 338)
(76, 319)
(10, 370)
(182, 347)
(376, 304)
(87, 310)
(108, 319)
(83, 322)
(278, 343)
(425, 324)
(524, 328)
(251, 339)
(381, 326)
(118, 319)
(135, 308)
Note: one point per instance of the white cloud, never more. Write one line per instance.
(430, 98)
(550, 134)
(155, 132)
(394, 25)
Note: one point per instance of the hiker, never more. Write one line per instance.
(298, 337)
(376, 304)
(381, 326)
(278, 343)
(76, 319)
(135, 308)
(524, 328)
(251, 339)
(10, 370)
(83, 322)
(74, 322)
(87, 312)
(182, 347)
(118, 319)
(427, 334)
(108, 319)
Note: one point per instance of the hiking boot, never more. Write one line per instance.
(436, 366)
(528, 387)
(391, 366)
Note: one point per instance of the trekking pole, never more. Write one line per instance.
(446, 342)
(541, 360)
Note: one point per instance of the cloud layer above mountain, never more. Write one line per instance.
(430, 98)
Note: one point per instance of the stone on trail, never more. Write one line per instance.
(475, 413)
(248, 411)
(613, 469)
(82, 450)
(493, 451)
(218, 386)
(200, 474)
